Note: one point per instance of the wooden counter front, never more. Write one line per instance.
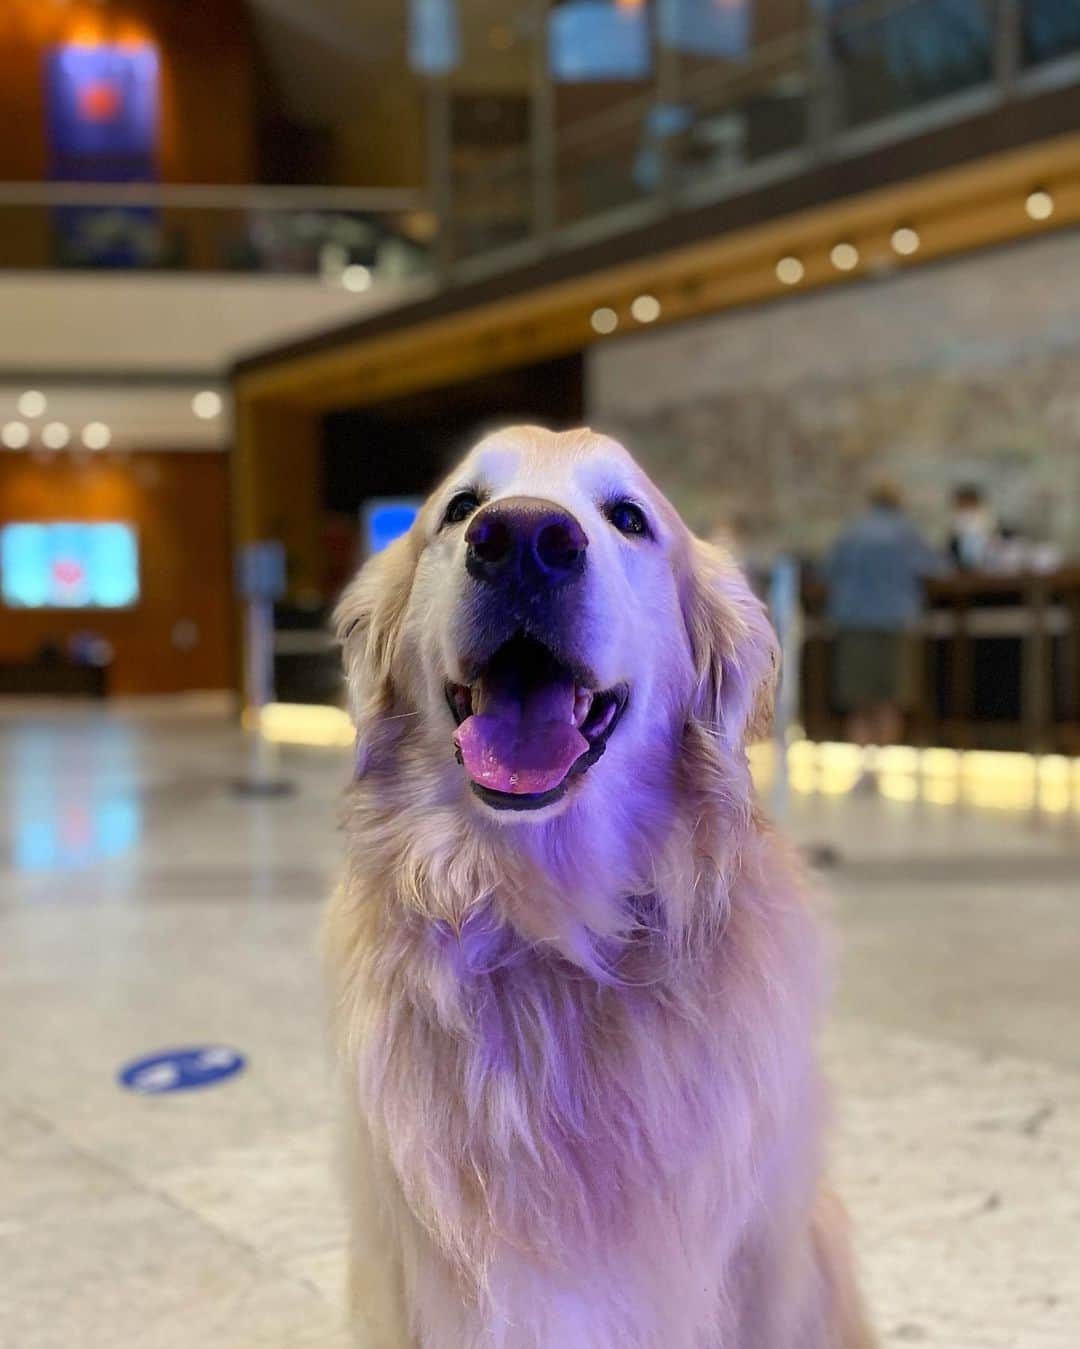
(998, 663)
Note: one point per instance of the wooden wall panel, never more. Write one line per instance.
(179, 503)
(278, 485)
(207, 81)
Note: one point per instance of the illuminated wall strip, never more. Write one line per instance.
(995, 780)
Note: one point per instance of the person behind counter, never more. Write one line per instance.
(974, 531)
(874, 578)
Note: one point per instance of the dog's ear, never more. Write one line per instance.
(368, 621)
(734, 650)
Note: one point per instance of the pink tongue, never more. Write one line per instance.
(522, 745)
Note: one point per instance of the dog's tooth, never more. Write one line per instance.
(582, 703)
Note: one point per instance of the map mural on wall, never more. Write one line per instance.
(770, 422)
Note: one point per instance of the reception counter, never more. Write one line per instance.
(997, 658)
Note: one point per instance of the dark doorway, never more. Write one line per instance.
(402, 447)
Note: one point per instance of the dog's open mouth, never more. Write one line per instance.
(528, 724)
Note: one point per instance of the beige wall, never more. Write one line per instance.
(180, 323)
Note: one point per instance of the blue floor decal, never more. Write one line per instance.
(181, 1069)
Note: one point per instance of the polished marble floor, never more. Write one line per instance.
(144, 906)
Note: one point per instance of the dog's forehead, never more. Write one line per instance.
(524, 457)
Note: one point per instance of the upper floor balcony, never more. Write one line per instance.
(524, 130)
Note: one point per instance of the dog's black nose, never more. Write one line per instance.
(525, 540)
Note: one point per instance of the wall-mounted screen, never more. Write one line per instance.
(599, 40)
(385, 519)
(61, 565)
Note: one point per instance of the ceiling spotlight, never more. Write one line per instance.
(32, 403)
(1039, 205)
(15, 435)
(646, 309)
(55, 435)
(96, 436)
(906, 241)
(604, 321)
(356, 277)
(790, 271)
(206, 405)
(844, 257)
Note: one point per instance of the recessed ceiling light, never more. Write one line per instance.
(356, 277)
(206, 405)
(32, 403)
(604, 320)
(790, 271)
(96, 436)
(55, 435)
(906, 241)
(844, 257)
(15, 435)
(646, 309)
(1039, 205)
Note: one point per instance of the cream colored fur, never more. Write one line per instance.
(577, 1047)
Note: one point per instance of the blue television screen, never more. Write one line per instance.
(597, 40)
(385, 519)
(60, 565)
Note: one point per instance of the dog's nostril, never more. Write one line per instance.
(490, 539)
(560, 545)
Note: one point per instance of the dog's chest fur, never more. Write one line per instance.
(537, 1118)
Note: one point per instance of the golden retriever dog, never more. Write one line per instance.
(575, 977)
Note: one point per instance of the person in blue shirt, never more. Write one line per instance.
(874, 576)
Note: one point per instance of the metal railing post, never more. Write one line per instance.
(1008, 40)
(542, 128)
(667, 97)
(823, 114)
(440, 176)
(784, 610)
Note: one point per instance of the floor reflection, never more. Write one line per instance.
(72, 795)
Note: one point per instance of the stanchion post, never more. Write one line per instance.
(785, 613)
(260, 580)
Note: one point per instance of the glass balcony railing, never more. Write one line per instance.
(894, 58)
(695, 127)
(582, 131)
(1049, 29)
(354, 236)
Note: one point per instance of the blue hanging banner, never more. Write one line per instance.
(102, 124)
(434, 36)
(598, 40)
(188, 1069)
(103, 111)
(706, 27)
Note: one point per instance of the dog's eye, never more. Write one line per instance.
(627, 518)
(460, 508)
